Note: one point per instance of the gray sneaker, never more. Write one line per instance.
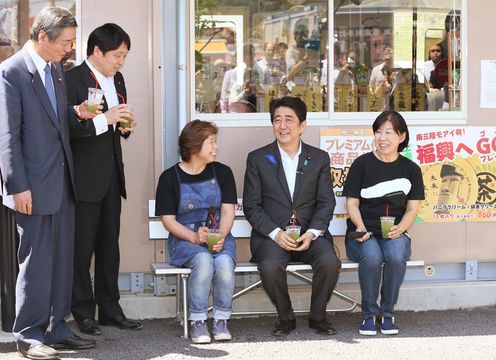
(220, 330)
(199, 332)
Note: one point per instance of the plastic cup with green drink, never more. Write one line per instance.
(386, 223)
(214, 235)
(95, 97)
(293, 232)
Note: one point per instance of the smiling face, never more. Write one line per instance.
(387, 140)
(110, 62)
(287, 127)
(208, 150)
(55, 50)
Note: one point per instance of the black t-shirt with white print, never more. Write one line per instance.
(380, 185)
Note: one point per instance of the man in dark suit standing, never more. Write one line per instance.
(37, 183)
(289, 182)
(99, 177)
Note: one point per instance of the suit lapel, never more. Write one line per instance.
(120, 88)
(39, 88)
(281, 177)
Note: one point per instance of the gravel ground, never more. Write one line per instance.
(454, 334)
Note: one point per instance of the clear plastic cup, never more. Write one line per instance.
(95, 97)
(293, 232)
(386, 223)
(214, 235)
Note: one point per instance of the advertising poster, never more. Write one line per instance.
(459, 170)
(458, 166)
(343, 147)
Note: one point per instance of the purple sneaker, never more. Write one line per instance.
(220, 330)
(199, 332)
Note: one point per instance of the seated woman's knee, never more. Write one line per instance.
(202, 262)
(224, 266)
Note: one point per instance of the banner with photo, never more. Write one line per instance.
(458, 167)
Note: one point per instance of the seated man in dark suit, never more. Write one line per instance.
(289, 182)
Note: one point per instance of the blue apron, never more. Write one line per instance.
(194, 201)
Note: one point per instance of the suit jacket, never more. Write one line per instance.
(95, 157)
(34, 143)
(267, 201)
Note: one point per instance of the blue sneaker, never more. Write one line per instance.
(388, 327)
(199, 332)
(220, 330)
(368, 327)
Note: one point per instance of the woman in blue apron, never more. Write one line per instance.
(185, 194)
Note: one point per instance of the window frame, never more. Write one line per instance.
(330, 118)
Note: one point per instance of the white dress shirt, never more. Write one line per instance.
(290, 166)
(106, 84)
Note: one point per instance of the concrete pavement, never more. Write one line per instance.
(452, 334)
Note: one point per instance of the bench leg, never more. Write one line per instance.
(184, 283)
(179, 293)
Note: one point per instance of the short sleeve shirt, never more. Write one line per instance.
(167, 196)
(380, 186)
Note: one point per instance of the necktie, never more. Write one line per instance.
(50, 89)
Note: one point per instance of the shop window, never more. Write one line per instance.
(16, 19)
(249, 52)
(404, 57)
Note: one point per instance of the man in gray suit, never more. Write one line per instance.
(289, 182)
(37, 183)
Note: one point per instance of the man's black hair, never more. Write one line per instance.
(107, 37)
(294, 103)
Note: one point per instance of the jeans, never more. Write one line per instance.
(205, 268)
(371, 255)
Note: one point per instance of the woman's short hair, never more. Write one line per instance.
(192, 137)
(398, 123)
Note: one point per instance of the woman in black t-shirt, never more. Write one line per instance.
(382, 183)
(191, 194)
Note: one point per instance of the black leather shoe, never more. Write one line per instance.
(74, 343)
(283, 328)
(89, 326)
(121, 322)
(322, 327)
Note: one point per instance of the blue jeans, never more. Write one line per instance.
(371, 255)
(205, 268)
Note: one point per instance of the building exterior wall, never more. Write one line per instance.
(143, 156)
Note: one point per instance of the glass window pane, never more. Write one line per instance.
(16, 19)
(403, 56)
(249, 52)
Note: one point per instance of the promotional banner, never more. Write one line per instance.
(459, 170)
(458, 166)
(343, 147)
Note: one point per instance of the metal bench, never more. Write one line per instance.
(241, 229)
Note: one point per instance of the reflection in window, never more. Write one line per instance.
(249, 52)
(400, 58)
(16, 18)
